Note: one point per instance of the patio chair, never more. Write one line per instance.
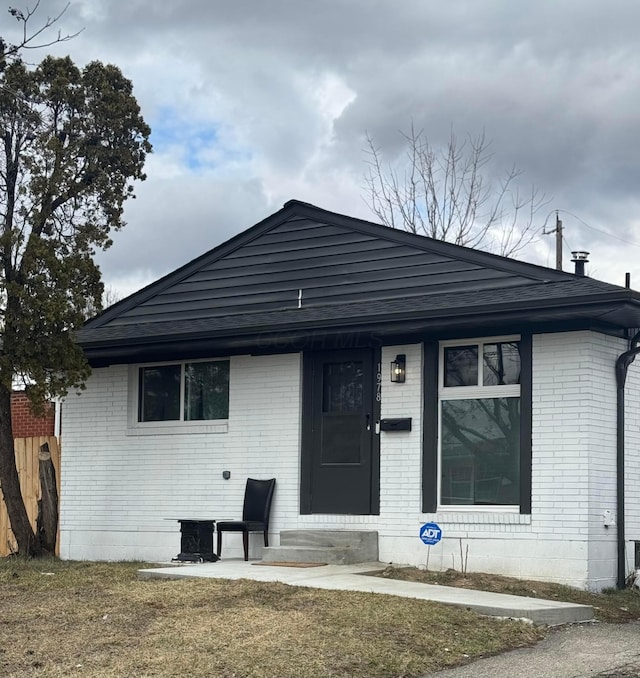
(255, 514)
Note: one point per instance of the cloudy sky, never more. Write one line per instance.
(255, 102)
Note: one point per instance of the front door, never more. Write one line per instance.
(339, 469)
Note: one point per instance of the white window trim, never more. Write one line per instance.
(470, 393)
(173, 427)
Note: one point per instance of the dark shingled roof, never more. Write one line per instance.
(349, 273)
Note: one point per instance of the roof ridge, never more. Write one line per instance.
(293, 211)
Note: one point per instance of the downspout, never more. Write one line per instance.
(622, 366)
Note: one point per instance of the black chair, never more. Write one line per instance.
(255, 514)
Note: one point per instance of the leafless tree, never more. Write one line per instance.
(110, 296)
(32, 37)
(446, 194)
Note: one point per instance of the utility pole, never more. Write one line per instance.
(558, 233)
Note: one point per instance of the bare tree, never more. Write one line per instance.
(447, 195)
(110, 296)
(32, 38)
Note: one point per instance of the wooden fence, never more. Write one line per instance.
(26, 451)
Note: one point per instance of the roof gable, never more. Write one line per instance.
(303, 256)
(308, 277)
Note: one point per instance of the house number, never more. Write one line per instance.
(379, 383)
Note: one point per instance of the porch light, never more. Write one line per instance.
(399, 369)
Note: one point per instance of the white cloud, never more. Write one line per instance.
(253, 103)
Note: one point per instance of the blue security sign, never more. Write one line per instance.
(430, 533)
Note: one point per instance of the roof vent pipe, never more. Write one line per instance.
(580, 258)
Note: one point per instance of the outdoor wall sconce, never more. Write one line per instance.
(399, 369)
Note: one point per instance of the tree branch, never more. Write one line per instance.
(11, 52)
(446, 194)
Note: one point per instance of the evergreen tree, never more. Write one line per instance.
(71, 142)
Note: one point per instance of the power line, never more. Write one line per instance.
(598, 230)
(566, 242)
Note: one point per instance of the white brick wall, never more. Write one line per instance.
(118, 489)
(573, 481)
(574, 446)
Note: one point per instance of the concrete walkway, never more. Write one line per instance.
(350, 578)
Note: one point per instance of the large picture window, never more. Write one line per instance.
(196, 391)
(479, 422)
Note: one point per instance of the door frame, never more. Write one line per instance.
(306, 448)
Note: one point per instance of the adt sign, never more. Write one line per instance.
(430, 533)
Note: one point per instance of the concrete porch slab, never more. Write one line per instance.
(350, 578)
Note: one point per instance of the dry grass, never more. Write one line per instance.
(82, 619)
(609, 606)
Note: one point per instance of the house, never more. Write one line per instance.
(386, 380)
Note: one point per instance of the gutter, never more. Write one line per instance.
(622, 367)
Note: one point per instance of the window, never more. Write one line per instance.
(479, 422)
(184, 392)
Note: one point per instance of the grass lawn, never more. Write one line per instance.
(609, 606)
(98, 619)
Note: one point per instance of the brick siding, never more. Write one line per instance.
(25, 423)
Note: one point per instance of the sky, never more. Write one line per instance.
(254, 102)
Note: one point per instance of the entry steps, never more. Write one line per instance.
(335, 547)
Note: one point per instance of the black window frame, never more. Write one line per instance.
(181, 420)
(430, 453)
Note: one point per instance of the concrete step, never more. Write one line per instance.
(338, 547)
(350, 538)
(333, 555)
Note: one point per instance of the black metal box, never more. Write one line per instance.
(395, 424)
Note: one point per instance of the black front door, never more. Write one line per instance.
(338, 470)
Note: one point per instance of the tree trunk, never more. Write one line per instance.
(10, 483)
(47, 524)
